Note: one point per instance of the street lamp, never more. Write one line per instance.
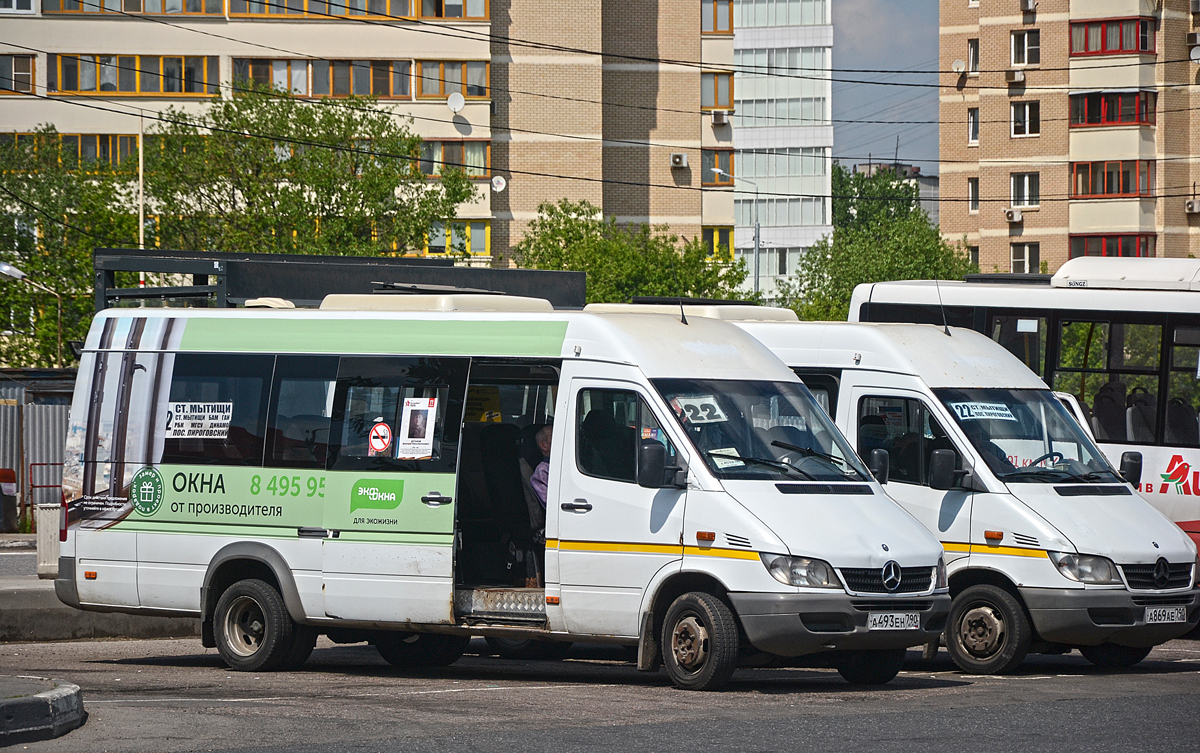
(724, 174)
(12, 273)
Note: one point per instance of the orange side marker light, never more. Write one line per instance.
(89, 574)
(551, 599)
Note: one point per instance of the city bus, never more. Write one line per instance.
(1120, 335)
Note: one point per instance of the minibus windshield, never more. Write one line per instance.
(1027, 436)
(760, 430)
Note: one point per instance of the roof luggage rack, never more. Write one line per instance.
(1008, 278)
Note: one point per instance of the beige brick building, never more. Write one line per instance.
(1070, 131)
(580, 99)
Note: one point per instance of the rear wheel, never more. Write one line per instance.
(414, 650)
(876, 667)
(700, 642)
(506, 648)
(988, 632)
(252, 628)
(1112, 656)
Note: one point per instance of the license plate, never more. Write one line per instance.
(894, 621)
(1164, 614)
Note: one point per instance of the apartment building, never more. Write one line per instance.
(782, 132)
(1068, 128)
(582, 99)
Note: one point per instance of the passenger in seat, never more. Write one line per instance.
(541, 474)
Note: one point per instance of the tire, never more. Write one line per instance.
(252, 628)
(420, 650)
(304, 639)
(877, 667)
(507, 648)
(1112, 656)
(699, 642)
(987, 632)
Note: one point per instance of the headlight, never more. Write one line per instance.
(800, 571)
(941, 573)
(1086, 568)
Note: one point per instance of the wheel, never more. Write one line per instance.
(699, 642)
(252, 628)
(876, 667)
(987, 632)
(1112, 656)
(414, 650)
(506, 648)
(304, 638)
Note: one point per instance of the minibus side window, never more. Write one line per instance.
(217, 409)
(397, 413)
(610, 426)
(301, 408)
(907, 430)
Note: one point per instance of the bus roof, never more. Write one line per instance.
(659, 344)
(964, 359)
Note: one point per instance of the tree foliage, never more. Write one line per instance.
(623, 262)
(880, 233)
(265, 172)
(55, 211)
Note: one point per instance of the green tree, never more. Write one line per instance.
(265, 172)
(880, 233)
(623, 262)
(56, 209)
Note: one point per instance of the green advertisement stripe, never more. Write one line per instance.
(384, 336)
(282, 532)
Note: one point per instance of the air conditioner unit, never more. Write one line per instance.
(1028, 6)
(1014, 76)
(1193, 38)
(1013, 215)
(1192, 206)
(721, 117)
(679, 159)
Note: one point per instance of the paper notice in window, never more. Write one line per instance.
(726, 457)
(699, 409)
(415, 440)
(982, 411)
(198, 420)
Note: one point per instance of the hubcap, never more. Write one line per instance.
(245, 626)
(689, 643)
(981, 631)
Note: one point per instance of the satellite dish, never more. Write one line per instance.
(958, 66)
(455, 102)
(1194, 54)
(499, 183)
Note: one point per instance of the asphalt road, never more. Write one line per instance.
(174, 695)
(18, 563)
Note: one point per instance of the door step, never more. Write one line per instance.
(525, 605)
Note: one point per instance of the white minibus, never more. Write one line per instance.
(373, 471)
(1048, 547)
(1121, 335)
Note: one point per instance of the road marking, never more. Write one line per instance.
(341, 695)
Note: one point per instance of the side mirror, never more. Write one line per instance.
(653, 471)
(879, 464)
(1131, 467)
(941, 470)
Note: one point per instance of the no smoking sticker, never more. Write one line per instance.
(380, 438)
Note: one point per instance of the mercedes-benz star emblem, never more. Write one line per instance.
(891, 575)
(1162, 573)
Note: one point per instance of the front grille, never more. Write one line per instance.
(1141, 577)
(869, 580)
(1183, 600)
(891, 605)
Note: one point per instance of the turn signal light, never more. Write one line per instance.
(706, 536)
(993, 535)
(89, 574)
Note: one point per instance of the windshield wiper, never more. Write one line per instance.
(1038, 472)
(816, 454)
(762, 461)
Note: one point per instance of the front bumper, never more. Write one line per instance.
(798, 624)
(1078, 617)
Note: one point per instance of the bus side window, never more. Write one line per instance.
(208, 389)
(1024, 337)
(301, 407)
(1183, 388)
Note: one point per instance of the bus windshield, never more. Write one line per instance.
(760, 430)
(1027, 436)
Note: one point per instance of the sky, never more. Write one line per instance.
(885, 35)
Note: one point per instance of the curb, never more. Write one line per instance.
(49, 714)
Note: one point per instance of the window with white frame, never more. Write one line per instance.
(16, 6)
(1025, 189)
(765, 13)
(973, 195)
(972, 56)
(973, 254)
(808, 210)
(972, 125)
(1027, 47)
(1025, 258)
(781, 86)
(1026, 119)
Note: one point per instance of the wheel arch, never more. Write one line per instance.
(242, 560)
(677, 584)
